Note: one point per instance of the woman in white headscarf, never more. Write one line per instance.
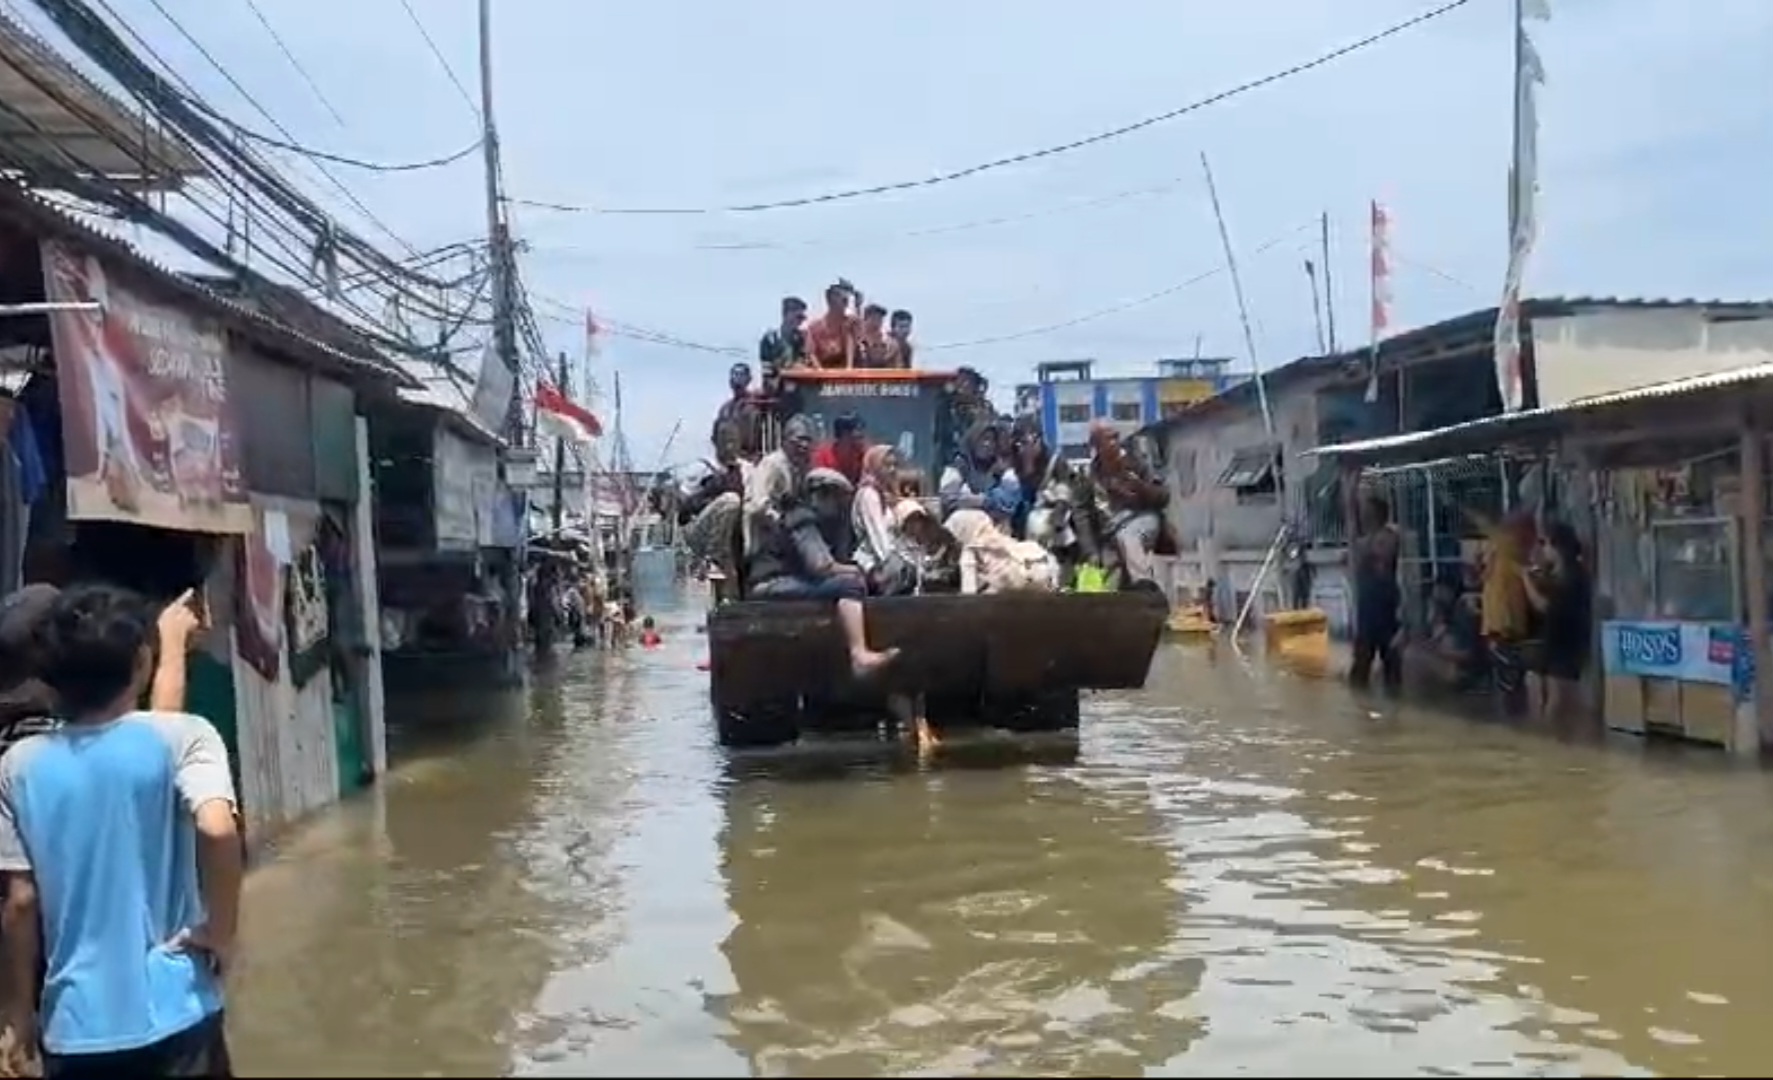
(991, 561)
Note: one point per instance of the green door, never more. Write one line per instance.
(209, 693)
(348, 740)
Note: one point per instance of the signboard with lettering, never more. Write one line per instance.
(148, 429)
(907, 413)
(1713, 653)
(868, 389)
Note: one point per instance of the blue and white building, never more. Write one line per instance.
(1069, 398)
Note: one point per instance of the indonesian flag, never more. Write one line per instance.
(560, 416)
(1381, 271)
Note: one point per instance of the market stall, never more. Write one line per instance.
(1675, 652)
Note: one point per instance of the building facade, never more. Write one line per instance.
(1069, 398)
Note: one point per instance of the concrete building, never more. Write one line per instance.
(1068, 397)
(1231, 487)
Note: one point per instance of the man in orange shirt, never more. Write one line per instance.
(831, 338)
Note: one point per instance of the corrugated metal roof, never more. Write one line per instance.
(55, 112)
(1691, 384)
(439, 393)
(39, 213)
(1460, 326)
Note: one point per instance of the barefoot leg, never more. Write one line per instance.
(864, 661)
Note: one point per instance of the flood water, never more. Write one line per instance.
(1242, 872)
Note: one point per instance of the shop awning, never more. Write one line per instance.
(1495, 433)
(1248, 468)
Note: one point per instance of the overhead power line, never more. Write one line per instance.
(631, 332)
(1116, 309)
(856, 240)
(448, 68)
(225, 154)
(326, 155)
(222, 69)
(848, 194)
(288, 54)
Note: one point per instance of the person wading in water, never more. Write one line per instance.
(1376, 596)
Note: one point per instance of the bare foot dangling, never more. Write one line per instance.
(925, 737)
(868, 662)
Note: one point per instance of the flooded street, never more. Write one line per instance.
(1243, 872)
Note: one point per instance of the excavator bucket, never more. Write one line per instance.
(1018, 660)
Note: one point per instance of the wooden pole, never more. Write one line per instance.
(1749, 739)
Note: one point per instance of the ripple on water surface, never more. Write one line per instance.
(1243, 872)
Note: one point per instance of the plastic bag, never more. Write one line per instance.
(1092, 579)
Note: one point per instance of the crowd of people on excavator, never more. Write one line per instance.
(787, 512)
(843, 518)
(842, 337)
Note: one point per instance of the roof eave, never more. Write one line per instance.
(33, 213)
(53, 104)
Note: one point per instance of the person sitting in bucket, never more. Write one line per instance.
(786, 555)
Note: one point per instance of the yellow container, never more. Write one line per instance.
(1298, 635)
(1192, 623)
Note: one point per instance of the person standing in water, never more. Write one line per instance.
(649, 634)
(1373, 557)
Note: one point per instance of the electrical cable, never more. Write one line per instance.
(1115, 309)
(1073, 206)
(288, 54)
(91, 34)
(448, 68)
(848, 194)
(133, 208)
(350, 196)
(337, 159)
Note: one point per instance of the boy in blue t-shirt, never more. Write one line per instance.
(122, 854)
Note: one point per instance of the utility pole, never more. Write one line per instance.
(565, 386)
(1323, 225)
(502, 287)
(498, 237)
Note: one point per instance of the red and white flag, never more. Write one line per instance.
(1379, 282)
(1523, 212)
(560, 416)
(1381, 271)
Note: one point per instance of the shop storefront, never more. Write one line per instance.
(185, 442)
(1674, 646)
(447, 525)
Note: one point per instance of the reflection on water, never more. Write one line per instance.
(1242, 872)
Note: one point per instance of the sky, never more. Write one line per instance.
(1653, 151)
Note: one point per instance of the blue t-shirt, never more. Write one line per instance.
(103, 818)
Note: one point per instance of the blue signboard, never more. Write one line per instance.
(1715, 653)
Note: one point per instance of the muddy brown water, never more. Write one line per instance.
(1242, 871)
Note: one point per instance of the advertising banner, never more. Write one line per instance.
(147, 430)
